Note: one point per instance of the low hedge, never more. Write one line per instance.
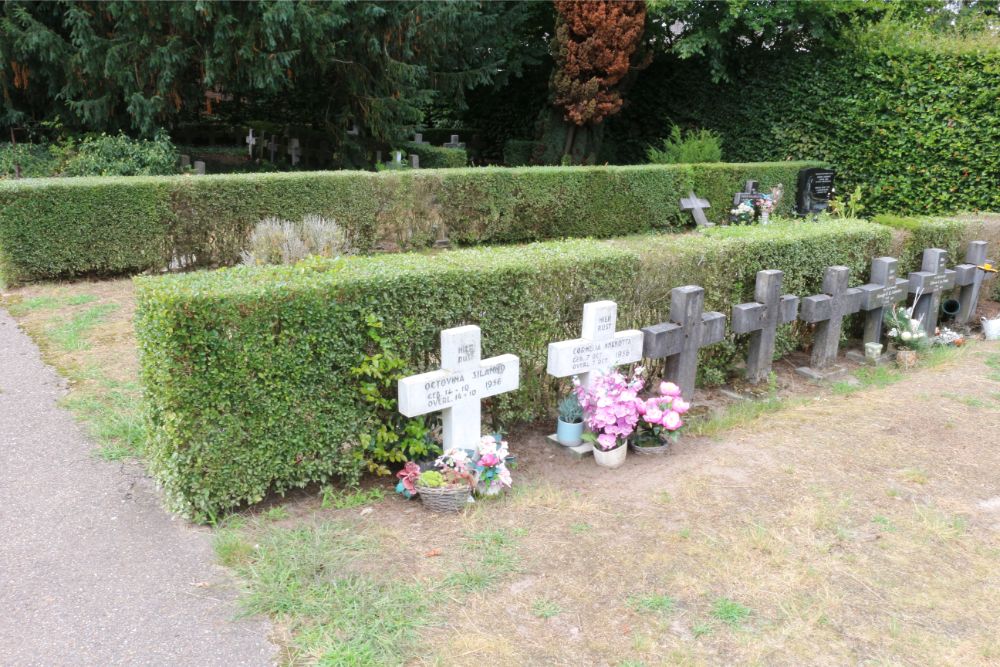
(438, 157)
(56, 228)
(247, 371)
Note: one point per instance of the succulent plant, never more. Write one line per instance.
(570, 410)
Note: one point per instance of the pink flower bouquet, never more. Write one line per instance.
(611, 408)
(661, 416)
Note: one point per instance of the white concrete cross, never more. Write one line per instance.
(294, 150)
(251, 140)
(457, 389)
(600, 348)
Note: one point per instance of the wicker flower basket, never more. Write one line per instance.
(444, 498)
(654, 446)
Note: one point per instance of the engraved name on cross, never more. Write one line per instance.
(457, 389)
(884, 291)
(932, 279)
(600, 347)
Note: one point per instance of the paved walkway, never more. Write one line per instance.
(92, 570)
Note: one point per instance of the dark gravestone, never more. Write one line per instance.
(697, 207)
(927, 284)
(815, 187)
(761, 318)
(969, 277)
(827, 311)
(884, 291)
(749, 194)
(679, 339)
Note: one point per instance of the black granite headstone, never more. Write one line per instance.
(815, 187)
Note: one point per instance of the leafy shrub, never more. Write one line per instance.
(693, 147)
(68, 227)
(275, 241)
(437, 157)
(119, 155)
(35, 160)
(251, 374)
(518, 152)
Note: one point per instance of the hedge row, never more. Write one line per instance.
(246, 371)
(438, 157)
(55, 228)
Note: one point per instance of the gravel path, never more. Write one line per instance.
(92, 570)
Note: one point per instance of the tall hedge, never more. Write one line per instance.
(911, 118)
(246, 371)
(54, 228)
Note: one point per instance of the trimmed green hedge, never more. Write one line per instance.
(246, 371)
(55, 228)
(438, 157)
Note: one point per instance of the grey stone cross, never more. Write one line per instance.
(455, 143)
(418, 138)
(932, 279)
(884, 291)
(679, 339)
(969, 277)
(251, 140)
(761, 318)
(697, 207)
(827, 311)
(415, 161)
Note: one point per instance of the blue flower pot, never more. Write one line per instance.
(569, 435)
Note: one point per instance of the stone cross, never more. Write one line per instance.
(760, 318)
(418, 138)
(969, 277)
(884, 291)
(599, 348)
(251, 140)
(294, 150)
(696, 206)
(749, 194)
(415, 161)
(455, 143)
(272, 146)
(827, 311)
(679, 338)
(457, 389)
(932, 279)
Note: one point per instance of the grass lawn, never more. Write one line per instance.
(855, 524)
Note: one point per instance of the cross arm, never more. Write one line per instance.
(816, 308)
(662, 340)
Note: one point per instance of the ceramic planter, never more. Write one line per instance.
(569, 435)
(906, 358)
(610, 459)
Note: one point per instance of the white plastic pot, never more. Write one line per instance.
(991, 328)
(612, 459)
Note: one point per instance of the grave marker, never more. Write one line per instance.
(969, 277)
(928, 283)
(697, 207)
(415, 161)
(815, 188)
(294, 150)
(761, 318)
(272, 147)
(457, 389)
(749, 194)
(827, 311)
(884, 291)
(679, 339)
(455, 143)
(199, 167)
(418, 138)
(251, 141)
(599, 348)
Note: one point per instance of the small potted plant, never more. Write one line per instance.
(661, 421)
(611, 413)
(906, 334)
(569, 428)
(492, 474)
(447, 488)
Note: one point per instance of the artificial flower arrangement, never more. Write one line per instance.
(743, 214)
(765, 205)
(661, 421)
(905, 332)
(492, 474)
(446, 488)
(408, 476)
(610, 408)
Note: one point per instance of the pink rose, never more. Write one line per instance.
(606, 441)
(680, 406)
(669, 389)
(640, 407)
(672, 421)
(653, 415)
(489, 460)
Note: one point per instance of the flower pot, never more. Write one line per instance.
(991, 329)
(648, 444)
(569, 435)
(614, 458)
(444, 498)
(906, 358)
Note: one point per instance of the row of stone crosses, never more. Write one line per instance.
(465, 379)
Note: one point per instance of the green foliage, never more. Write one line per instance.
(518, 152)
(693, 146)
(925, 232)
(248, 371)
(907, 115)
(434, 157)
(431, 478)
(119, 155)
(57, 228)
(387, 436)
